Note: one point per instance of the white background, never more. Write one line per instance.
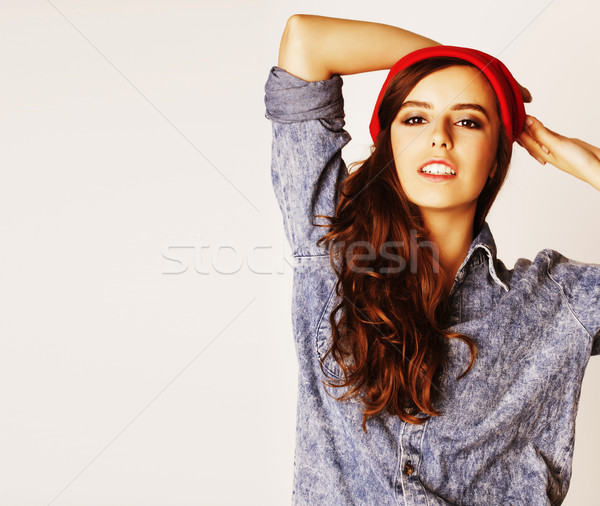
(146, 352)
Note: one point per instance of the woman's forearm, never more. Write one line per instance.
(314, 48)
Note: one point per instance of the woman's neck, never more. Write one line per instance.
(453, 234)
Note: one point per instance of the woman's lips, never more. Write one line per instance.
(435, 178)
(437, 170)
(438, 161)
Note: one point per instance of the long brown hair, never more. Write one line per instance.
(390, 335)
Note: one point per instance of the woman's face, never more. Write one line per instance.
(444, 139)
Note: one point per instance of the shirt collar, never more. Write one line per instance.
(485, 245)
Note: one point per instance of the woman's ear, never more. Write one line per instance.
(493, 170)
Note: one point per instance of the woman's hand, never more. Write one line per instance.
(572, 156)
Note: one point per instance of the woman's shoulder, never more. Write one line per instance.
(551, 278)
(550, 267)
(551, 263)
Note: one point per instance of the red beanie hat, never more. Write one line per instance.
(505, 86)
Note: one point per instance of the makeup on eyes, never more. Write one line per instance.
(427, 106)
(408, 121)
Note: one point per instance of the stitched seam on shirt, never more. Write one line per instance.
(400, 460)
(316, 336)
(324, 310)
(492, 268)
(421, 460)
(564, 297)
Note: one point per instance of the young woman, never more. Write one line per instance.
(429, 373)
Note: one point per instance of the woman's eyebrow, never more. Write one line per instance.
(455, 107)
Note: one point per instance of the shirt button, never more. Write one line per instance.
(408, 468)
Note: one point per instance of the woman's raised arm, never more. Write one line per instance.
(314, 48)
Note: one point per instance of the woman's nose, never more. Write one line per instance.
(440, 136)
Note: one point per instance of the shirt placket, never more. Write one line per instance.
(408, 485)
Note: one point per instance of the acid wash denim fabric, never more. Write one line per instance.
(507, 432)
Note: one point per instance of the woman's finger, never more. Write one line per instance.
(533, 148)
(525, 94)
(529, 142)
(572, 156)
(543, 136)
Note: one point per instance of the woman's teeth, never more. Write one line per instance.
(438, 169)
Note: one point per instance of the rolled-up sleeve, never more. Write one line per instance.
(306, 164)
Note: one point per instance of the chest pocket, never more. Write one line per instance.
(323, 338)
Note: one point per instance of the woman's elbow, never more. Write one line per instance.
(295, 52)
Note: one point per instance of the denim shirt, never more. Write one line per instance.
(506, 434)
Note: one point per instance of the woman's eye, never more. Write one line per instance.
(413, 120)
(469, 123)
(419, 120)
